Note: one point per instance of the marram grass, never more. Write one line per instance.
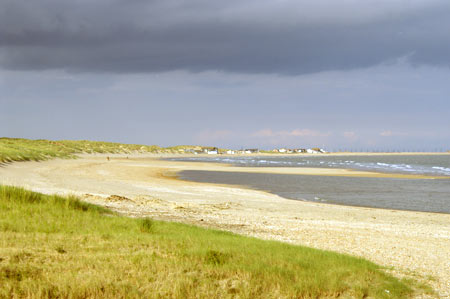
(53, 246)
(18, 149)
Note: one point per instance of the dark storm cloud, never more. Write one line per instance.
(287, 37)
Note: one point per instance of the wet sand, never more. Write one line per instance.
(415, 243)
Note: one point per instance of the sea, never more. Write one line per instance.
(425, 195)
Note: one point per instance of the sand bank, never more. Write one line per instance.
(414, 242)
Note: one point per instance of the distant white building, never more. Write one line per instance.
(300, 150)
(311, 151)
(251, 151)
(315, 151)
(230, 152)
(282, 150)
(212, 151)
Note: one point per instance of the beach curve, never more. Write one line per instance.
(146, 186)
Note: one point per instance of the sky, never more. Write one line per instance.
(342, 75)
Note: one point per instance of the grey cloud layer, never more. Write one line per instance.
(287, 37)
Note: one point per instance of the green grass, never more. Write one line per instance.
(18, 149)
(53, 246)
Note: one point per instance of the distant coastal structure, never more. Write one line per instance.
(217, 151)
(251, 151)
(300, 151)
(212, 151)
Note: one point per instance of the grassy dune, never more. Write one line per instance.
(53, 246)
(17, 149)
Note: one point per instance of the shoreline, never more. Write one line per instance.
(337, 154)
(314, 171)
(230, 167)
(145, 186)
(328, 154)
(243, 186)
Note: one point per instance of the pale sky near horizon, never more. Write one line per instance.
(358, 75)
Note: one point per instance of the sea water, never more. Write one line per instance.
(437, 165)
(429, 195)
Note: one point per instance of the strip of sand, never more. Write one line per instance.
(301, 171)
(413, 242)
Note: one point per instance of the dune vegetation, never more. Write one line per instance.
(18, 149)
(52, 246)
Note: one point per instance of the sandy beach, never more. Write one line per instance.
(415, 243)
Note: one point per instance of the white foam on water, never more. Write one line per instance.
(325, 162)
(441, 168)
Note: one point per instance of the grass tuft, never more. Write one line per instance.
(60, 250)
(214, 257)
(17, 273)
(146, 225)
